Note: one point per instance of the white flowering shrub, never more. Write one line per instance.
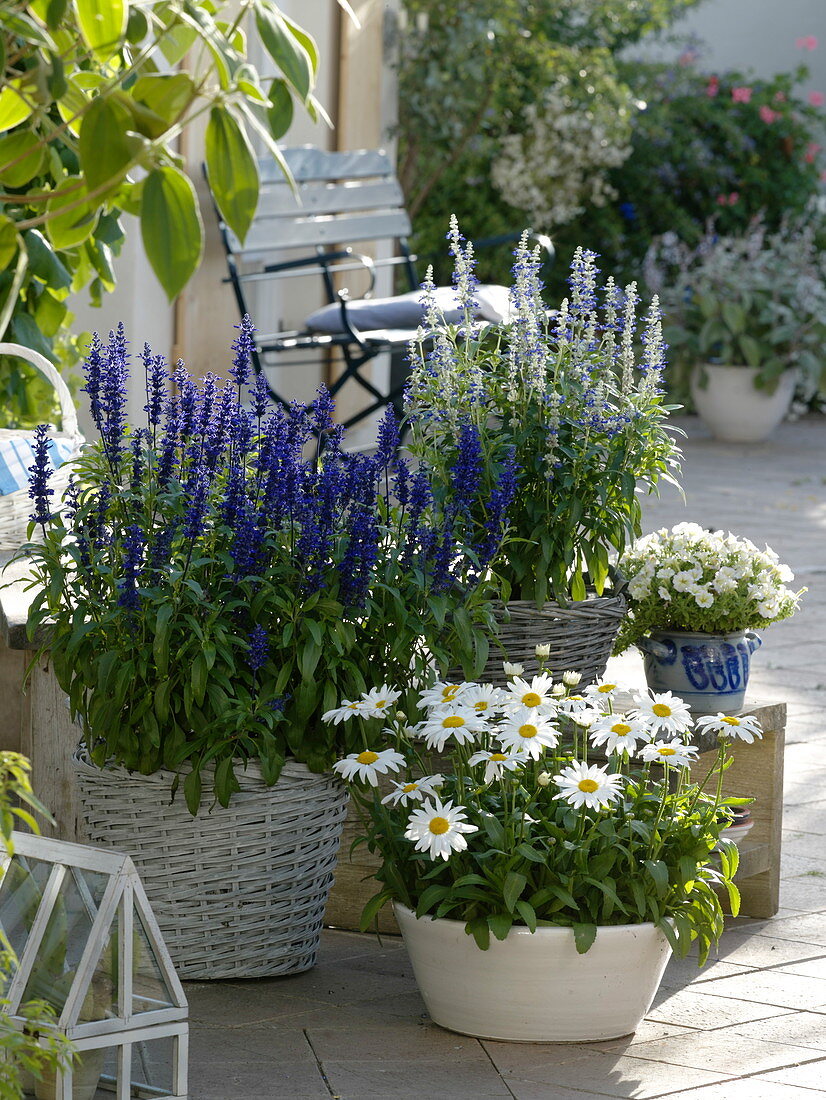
(557, 164)
(692, 579)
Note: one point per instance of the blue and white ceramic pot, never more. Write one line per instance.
(709, 671)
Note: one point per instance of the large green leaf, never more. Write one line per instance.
(233, 170)
(102, 25)
(164, 94)
(14, 108)
(107, 144)
(285, 49)
(280, 111)
(68, 227)
(171, 228)
(8, 241)
(21, 158)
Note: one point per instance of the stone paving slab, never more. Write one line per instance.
(751, 1026)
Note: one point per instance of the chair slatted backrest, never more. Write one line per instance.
(342, 198)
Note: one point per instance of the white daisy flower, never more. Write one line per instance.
(527, 731)
(369, 765)
(378, 701)
(437, 828)
(542, 652)
(497, 763)
(347, 709)
(572, 704)
(591, 786)
(745, 728)
(485, 699)
(440, 693)
(663, 713)
(674, 753)
(537, 693)
(571, 679)
(413, 791)
(605, 690)
(618, 733)
(512, 669)
(451, 721)
(543, 779)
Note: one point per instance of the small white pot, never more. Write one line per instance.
(534, 986)
(734, 409)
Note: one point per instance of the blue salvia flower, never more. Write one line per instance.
(258, 648)
(136, 451)
(387, 439)
(243, 348)
(114, 374)
(401, 482)
(197, 492)
(466, 471)
(501, 500)
(168, 461)
(154, 367)
(355, 568)
(133, 546)
(247, 541)
(321, 411)
(100, 533)
(260, 395)
(39, 475)
(526, 348)
(583, 282)
(464, 277)
(444, 554)
(187, 403)
(420, 498)
(72, 502)
(218, 430)
(161, 552)
(93, 365)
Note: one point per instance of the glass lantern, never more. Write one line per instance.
(87, 943)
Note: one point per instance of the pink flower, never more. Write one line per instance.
(733, 198)
(779, 97)
(816, 99)
(812, 149)
(741, 94)
(713, 87)
(807, 43)
(688, 57)
(721, 200)
(768, 115)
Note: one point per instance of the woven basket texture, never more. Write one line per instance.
(237, 892)
(15, 508)
(580, 637)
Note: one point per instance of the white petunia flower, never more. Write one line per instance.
(440, 693)
(618, 733)
(537, 693)
(591, 786)
(378, 701)
(674, 753)
(528, 731)
(451, 721)
(497, 763)
(437, 828)
(348, 709)
(703, 598)
(369, 765)
(413, 791)
(664, 594)
(745, 728)
(683, 581)
(663, 713)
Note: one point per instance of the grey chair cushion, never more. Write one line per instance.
(405, 311)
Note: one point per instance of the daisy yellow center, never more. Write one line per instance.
(482, 704)
(588, 785)
(408, 787)
(367, 757)
(527, 730)
(438, 825)
(381, 702)
(662, 710)
(497, 756)
(449, 691)
(604, 689)
(668, 752)
(353, 706)
(621, 729)
(452, 722)
(531, 699)
(731, 721)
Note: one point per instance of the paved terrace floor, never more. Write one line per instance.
(751, 1025)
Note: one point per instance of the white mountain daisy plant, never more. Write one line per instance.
(744, 727)
(711, 582)
(519, 815)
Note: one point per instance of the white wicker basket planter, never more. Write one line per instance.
(237, 892)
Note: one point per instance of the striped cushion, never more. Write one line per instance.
(17, 455)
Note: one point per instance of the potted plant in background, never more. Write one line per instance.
(218, 579)
(695, 599)
(576, 402)
(539, 892)
(747, 319)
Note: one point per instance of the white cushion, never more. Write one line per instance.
(405, 311)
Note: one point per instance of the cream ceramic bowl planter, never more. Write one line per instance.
(534, 986)
(733, 408)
